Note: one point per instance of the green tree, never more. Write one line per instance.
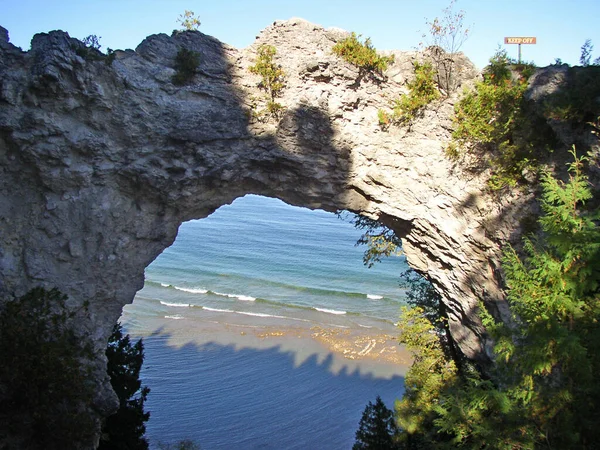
(189, 21)
(421, 293)
(92, 41)
(377, 428)
(272, 76)
(586, 53)
(430, 374)
(186, 63)
(542, 392)
(553, 355)
(125, 429)
(46, 386)
(271, 73)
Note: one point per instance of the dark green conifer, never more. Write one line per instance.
(377, 429)
(125, 429)
(45, 373)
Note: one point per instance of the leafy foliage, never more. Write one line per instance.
(44, 372)
(422, 294)
(186, 63)
(422, 91)
(586, 53)
(380, 240)
(445, 37)
(555, 294)
(110, 56)
(488, 115)
(494, 121)
(362, 54)
(189, 21)
(427, 378)
(272, 76)
(125, 429)
(377, 429)
(92, 41)
(90, 51)
(543, 392)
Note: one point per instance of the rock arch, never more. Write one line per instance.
(101, 163)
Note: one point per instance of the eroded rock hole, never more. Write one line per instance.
(260, 322)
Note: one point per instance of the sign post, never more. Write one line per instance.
(519, 41)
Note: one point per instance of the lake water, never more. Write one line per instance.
(263, 329)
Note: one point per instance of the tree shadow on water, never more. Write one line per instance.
(225, 397)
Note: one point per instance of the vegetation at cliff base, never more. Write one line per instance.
(542, 391)
(377, 428)
(362, 54)
(46, 382)
(125, 429)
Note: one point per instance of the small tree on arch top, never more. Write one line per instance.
(443, 41)
(189, 21)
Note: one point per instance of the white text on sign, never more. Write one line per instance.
(519, 40)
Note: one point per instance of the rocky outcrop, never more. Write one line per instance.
(100, 164)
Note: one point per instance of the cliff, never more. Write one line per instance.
(101, 163)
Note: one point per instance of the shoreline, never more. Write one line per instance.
(372, 350)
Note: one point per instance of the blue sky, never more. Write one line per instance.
(561, 26)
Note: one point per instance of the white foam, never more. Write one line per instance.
(374, 297)
(206, 308)
(165, 285)
(176, 305)
(244, 298)
(270, 315)
(174, 317)
(254, 314)
(331, 311)
(260, 315)
(191, 290)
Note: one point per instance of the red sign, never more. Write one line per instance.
(519, 40)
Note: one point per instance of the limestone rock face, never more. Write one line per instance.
(100, 164)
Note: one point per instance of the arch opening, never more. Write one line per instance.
(261, 290)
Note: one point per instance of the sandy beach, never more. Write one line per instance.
(369, 350)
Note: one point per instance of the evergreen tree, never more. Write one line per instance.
(125, 429)
(377, 428)
(45, 373)
(542, 392)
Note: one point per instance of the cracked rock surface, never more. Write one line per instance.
(100, 164)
